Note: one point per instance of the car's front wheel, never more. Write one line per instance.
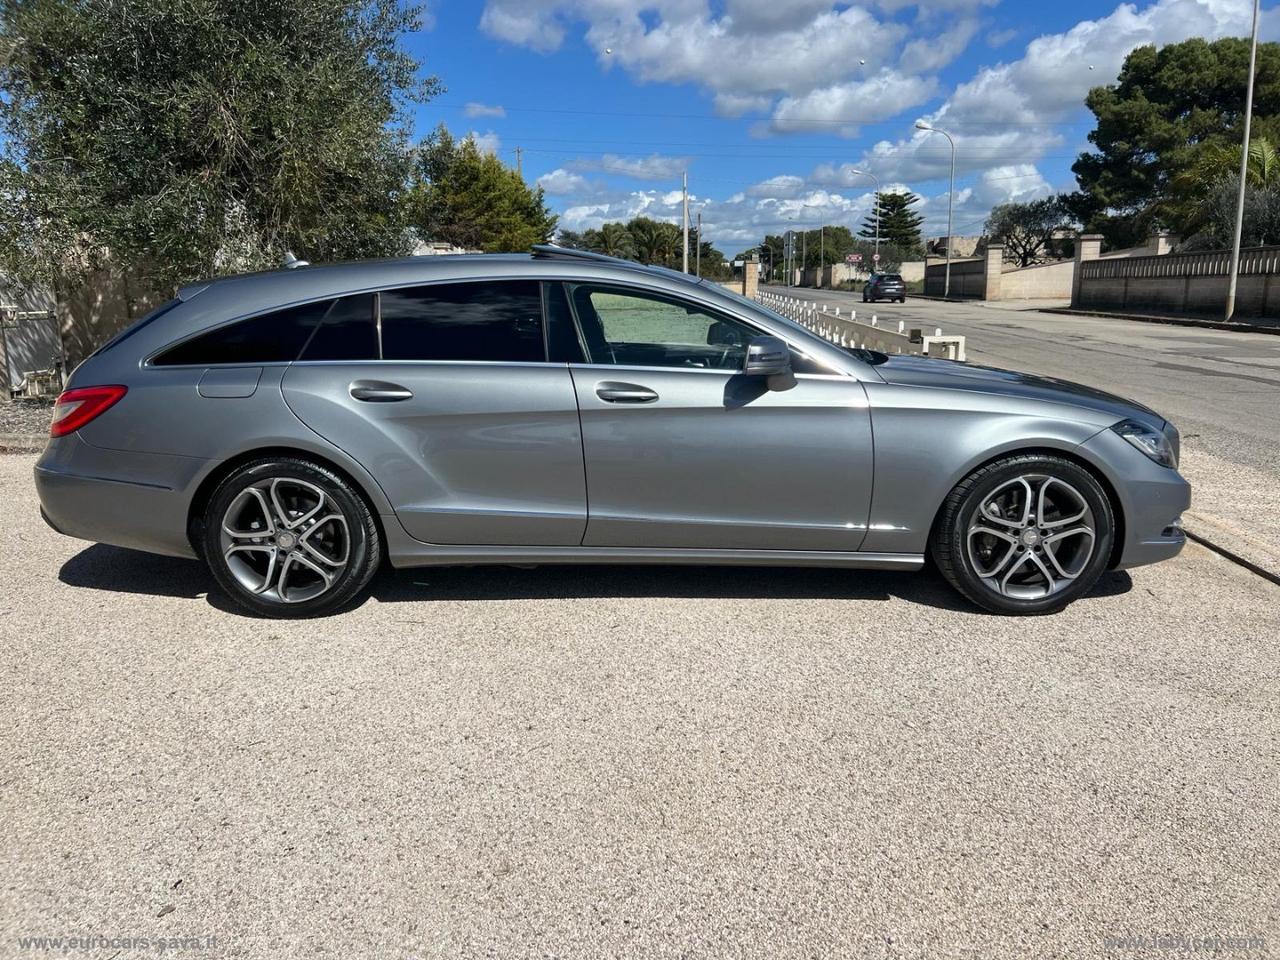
(289, 538)
(1025, 534)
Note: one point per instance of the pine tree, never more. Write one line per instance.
(470, 199)
(899, 224)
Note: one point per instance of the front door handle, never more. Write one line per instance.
(379, 391)
(611, 391)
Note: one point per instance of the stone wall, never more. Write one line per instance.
(1180, 284)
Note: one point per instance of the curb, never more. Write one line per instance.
(1234, 557)
(22, 442)
(1171, 321)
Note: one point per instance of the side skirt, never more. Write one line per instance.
(425, 555)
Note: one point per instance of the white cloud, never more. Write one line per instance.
(926, 54)
(1012, 112)
(783, 185)
(653, 167)
(838, 108)
(474, 109)
(753, 48)
(488, 142)
(562, 182)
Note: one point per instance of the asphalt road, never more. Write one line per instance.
(1221, 388)
(631, 762)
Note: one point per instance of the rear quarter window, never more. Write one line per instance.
(275, 337)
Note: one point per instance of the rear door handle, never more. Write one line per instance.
(379, 391)
(611, 391)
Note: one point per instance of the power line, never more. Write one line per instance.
(836, 122)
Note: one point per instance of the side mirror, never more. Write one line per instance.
(767, 357)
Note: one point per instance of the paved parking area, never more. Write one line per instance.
(631, 762)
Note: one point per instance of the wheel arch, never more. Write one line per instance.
(1074, 455)
(224, 468)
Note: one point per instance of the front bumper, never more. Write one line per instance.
(133, 500)
(1152, 500)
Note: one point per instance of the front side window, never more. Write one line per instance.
(275, 337)
(491, 320)
(632, 328)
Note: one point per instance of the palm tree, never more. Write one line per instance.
(647, 236)
(615, 241)
(669, 245)
(1187, 208)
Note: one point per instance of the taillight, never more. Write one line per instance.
(77, 407)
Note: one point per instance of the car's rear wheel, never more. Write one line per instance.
(289, 538)
(1025, 534)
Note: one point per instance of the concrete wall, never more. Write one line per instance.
(1188, 284)
(1044, 281)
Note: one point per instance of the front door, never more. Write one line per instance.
(682, 450)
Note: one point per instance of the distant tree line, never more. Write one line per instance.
(645, 240)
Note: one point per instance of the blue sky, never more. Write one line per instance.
(771, 105)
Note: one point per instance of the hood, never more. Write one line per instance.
(928, 372)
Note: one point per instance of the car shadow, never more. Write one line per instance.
(117, 570)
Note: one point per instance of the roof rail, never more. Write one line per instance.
(549, 251)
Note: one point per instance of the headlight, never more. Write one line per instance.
(1150, 441)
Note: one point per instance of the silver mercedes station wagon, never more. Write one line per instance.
(295, 428)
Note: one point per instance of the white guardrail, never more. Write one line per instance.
(847, 330)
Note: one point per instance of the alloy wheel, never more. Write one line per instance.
(284, 539)
(1031, 537)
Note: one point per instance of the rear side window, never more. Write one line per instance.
(276, 337)
(347, 332)
(490, 320)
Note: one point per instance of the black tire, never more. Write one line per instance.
(950, 540)
(253, 559)
(902, 299)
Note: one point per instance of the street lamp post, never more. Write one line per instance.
(951, 196)
(876, 181)
(1244, 170)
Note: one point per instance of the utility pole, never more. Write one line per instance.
(685, 187)
(697, 250)
(520, 161)
(1244, 171)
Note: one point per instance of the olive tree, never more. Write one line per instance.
(176, 140)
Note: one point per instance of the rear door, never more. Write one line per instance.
(452, 405)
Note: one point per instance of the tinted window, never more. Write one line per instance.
(268, 338)
(346, 333)
(499, 321)
(638, 329)
(562, 337)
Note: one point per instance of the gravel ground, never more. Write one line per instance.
(629, 762)
(25, 418)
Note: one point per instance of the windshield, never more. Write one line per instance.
(872, 357)
(891, 278)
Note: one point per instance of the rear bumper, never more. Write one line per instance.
(1152, 500)
(134, 500)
